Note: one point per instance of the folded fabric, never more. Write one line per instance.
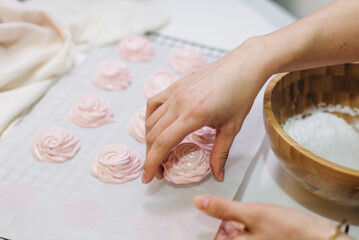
(35, 49)
(93, 23)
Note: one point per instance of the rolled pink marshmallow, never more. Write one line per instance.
(187, 163)
(116, 164)
(158, 82)
(137, 126)
(111, 75)
(204, 137)
(186, 60)
(187, 139)
(91, 111)
(55, 145)
(136, 49)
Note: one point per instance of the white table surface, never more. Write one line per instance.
(226, 24)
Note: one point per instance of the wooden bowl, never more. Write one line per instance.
(290, 94)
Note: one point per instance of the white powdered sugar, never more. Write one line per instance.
(326, 135)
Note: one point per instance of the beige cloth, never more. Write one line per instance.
(94, 23)
(35, 49)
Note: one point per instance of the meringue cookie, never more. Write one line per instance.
(112, 75)
(158, 82)
(116, 164)
(187, 163)
(187, 139)
(136, 49)
(204, 137)
(186, 60)
(91, 111)
(55, 145)
(137, 126)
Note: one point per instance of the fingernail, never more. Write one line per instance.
(221, 175)
(144, 178)
(201, 202)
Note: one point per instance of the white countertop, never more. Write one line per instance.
(226, 24)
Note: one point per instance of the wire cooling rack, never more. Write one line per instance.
(64, 201)
(174, 43)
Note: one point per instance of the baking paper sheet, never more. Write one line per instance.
(64, 201)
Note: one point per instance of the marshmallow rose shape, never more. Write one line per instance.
(91, 111)
(187, 60)
(136, 49)
(137, 126)
(158, 82)
(117, 164)
(204, 137)
(187, 163)
(112, 76)
(55, 145)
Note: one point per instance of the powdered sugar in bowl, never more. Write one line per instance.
(327, 98)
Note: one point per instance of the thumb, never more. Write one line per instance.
(220, 151)
(223, 208)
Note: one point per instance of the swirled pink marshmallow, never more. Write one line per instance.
(55, 145)
(91, 111)
(112, 76)
(136, 49)
(187, 163)
(117, 164)
(187, 60)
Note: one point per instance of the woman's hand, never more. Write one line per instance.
(263, 221)
(219, 96)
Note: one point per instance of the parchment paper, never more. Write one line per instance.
(63, 201)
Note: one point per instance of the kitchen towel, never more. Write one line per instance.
(34, 49)
(93, 23)
(39, 39)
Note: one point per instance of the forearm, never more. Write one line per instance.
(327, 37)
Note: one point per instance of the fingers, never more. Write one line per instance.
(226, 210)
(155, 116)
(161, 119)
(156, 101)
(151, 137)
(220, 151)
(159, 173)
(161, 146)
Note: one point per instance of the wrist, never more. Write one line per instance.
(253, 57)
(282, 53)
(273, 53)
